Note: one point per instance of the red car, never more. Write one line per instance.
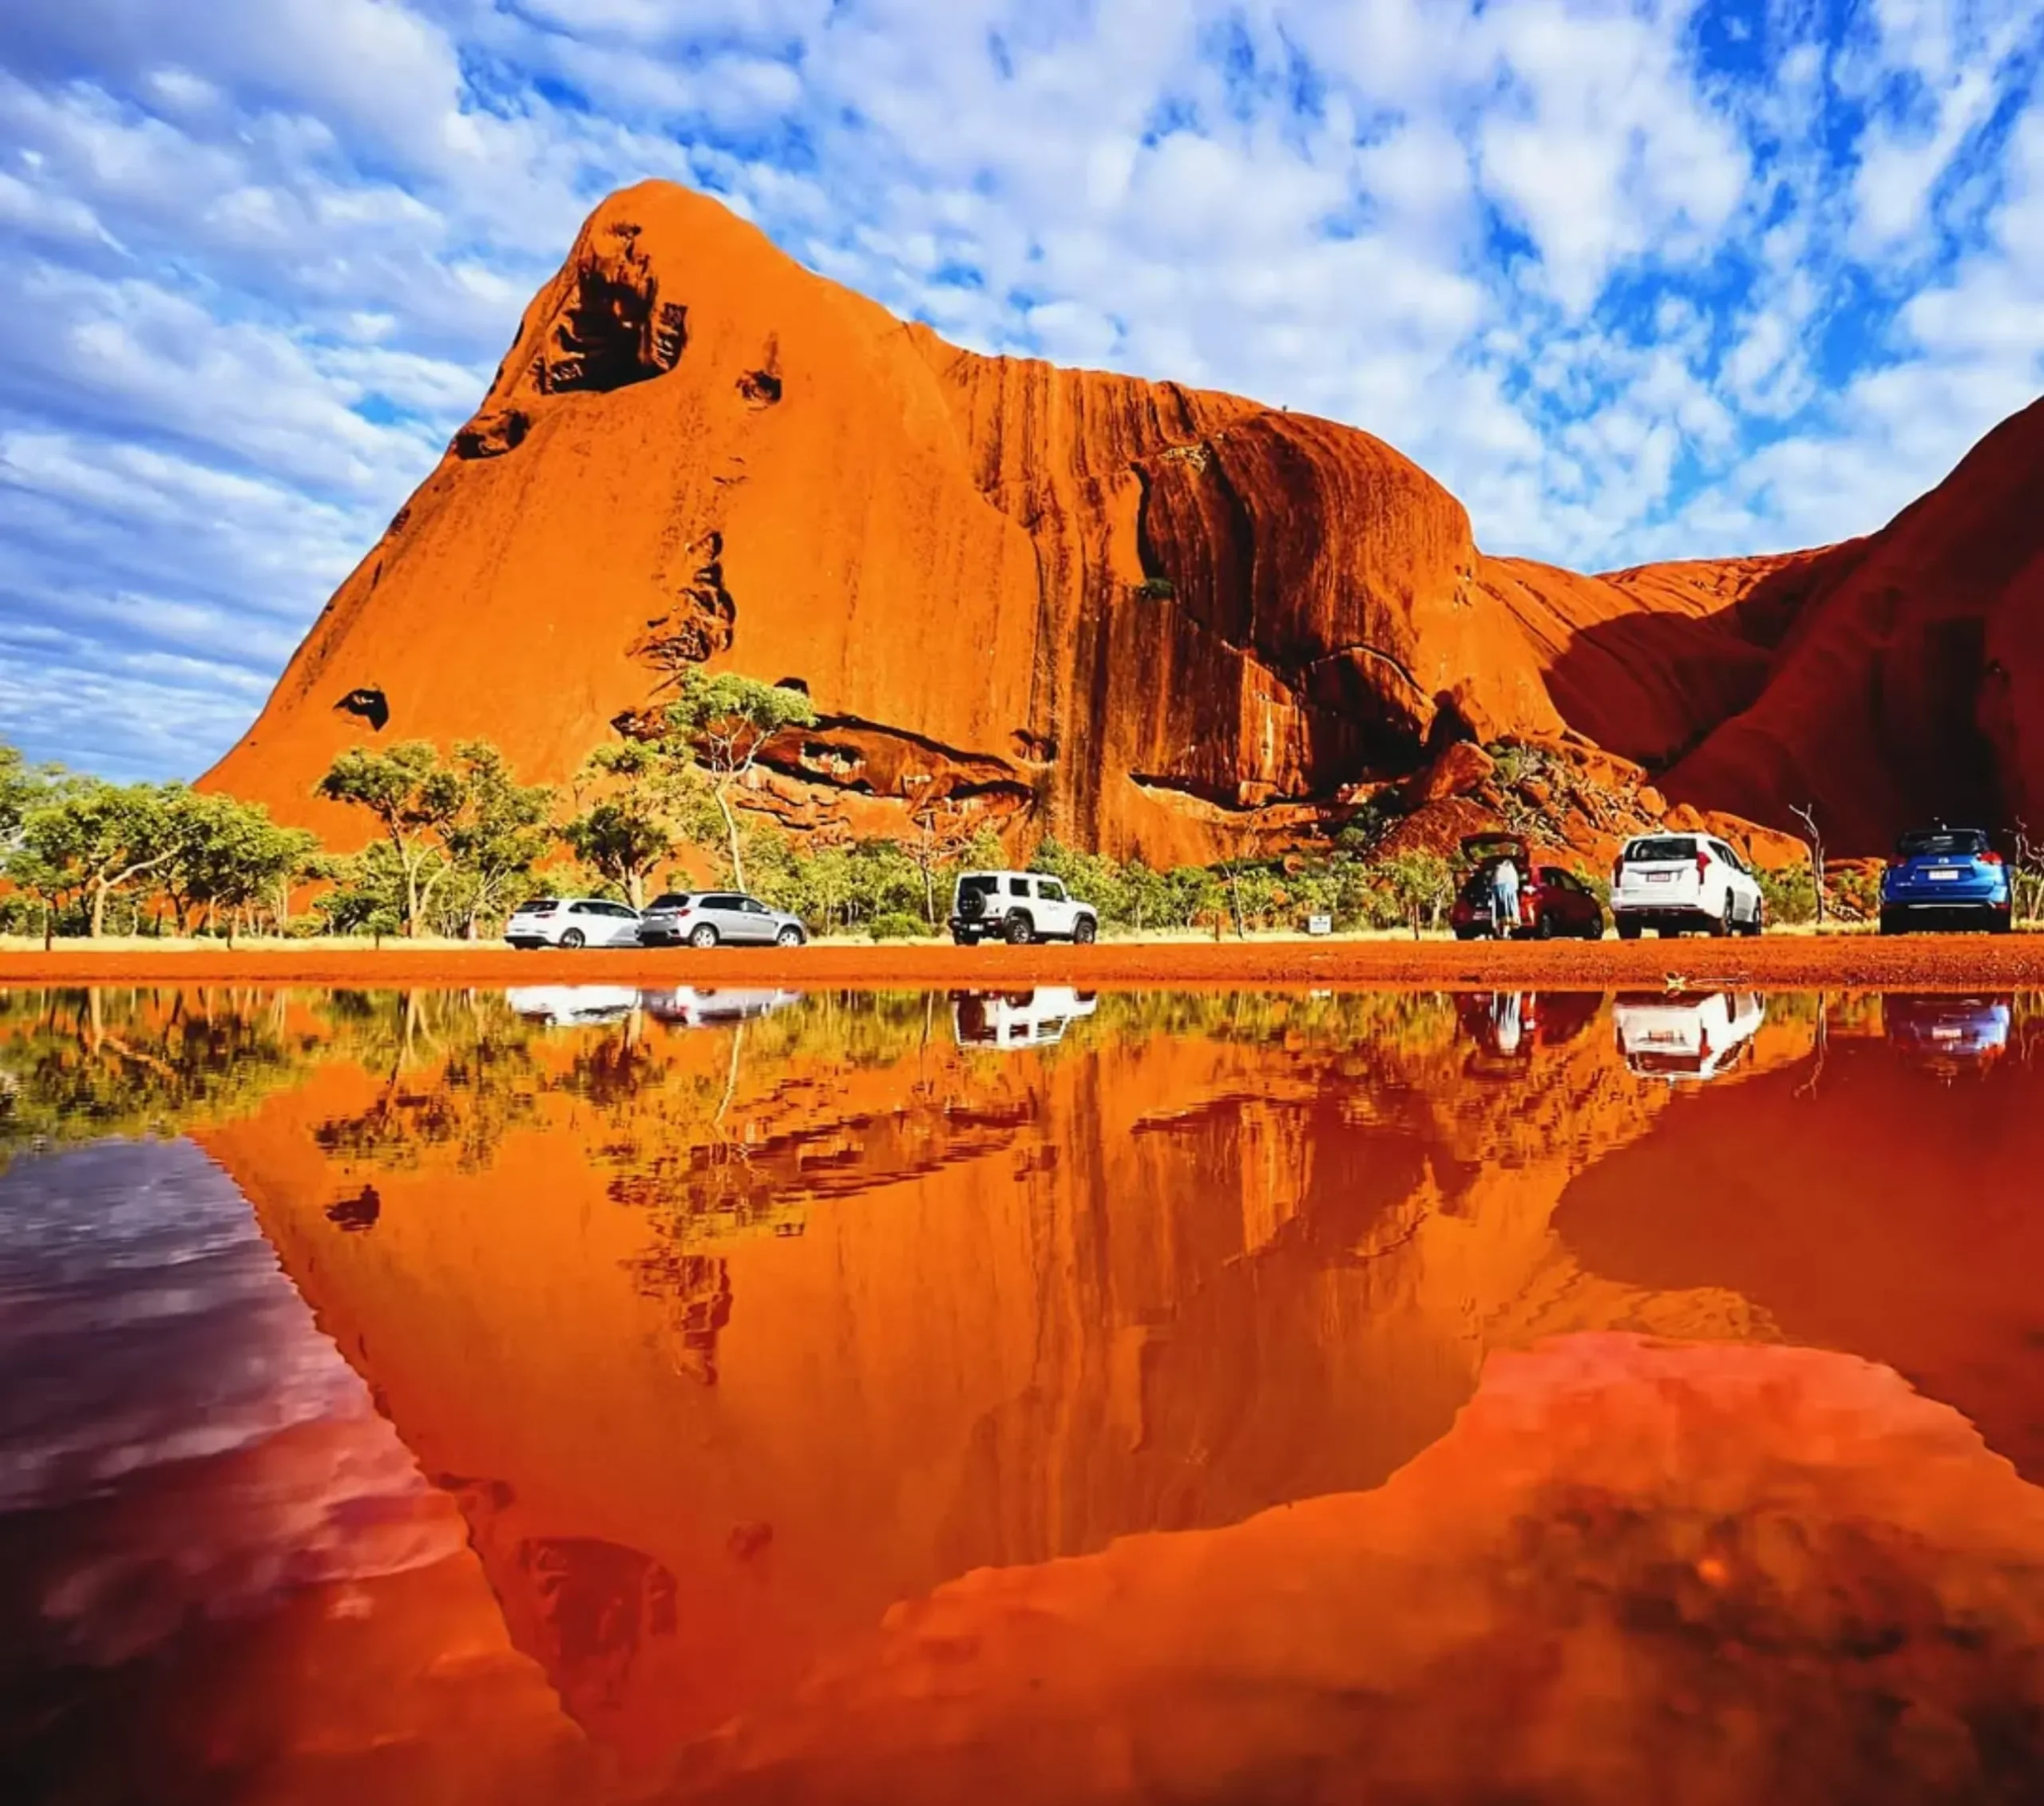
(1554, 904)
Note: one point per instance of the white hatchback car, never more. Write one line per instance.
(1684, 884)
(572, 921)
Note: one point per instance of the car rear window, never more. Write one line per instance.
(977, 887)
(1957, 841)
(1661, 847)
(670, 900)
(538, 905)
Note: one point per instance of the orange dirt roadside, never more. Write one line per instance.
(1957, 963)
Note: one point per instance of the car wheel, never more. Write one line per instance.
(1593, 930)
(960, 938)
(1717, 926)
(1756, 922)
(702, 935)
(1085, 931)
(573, 938)
(1891, 921)
(1543, 926)
(1021, 931)
(1999, 921)
(1628, 931)
(789, 936)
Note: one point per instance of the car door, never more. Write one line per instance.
(620, 924)
(721, 910)
(1740, 889)
(1054, 912)
(759, 925)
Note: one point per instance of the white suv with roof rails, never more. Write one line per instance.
(1684, 884)
(1018, 907)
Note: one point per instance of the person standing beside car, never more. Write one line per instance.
(1504, 898)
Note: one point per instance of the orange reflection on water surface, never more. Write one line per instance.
(1046, 1396)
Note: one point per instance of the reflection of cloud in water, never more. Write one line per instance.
(208, 1448)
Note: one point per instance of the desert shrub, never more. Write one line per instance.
(1790, 894)
(897, 925)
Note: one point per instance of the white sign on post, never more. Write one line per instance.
(1320, 925)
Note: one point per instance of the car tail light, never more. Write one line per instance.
(1896, 862)
(1702, 859)
(1617, 871)
(1989, 858)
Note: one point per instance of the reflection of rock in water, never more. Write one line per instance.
(1152, 1282)
(594, 1605)
(695, 1290)
(1633, 1570)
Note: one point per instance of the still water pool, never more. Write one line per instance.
(589, 1394)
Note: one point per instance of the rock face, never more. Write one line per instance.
(1144, 617)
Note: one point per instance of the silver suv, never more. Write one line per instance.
(1018, 907)
(710, 918)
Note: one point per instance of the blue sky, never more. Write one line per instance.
(1634, 279)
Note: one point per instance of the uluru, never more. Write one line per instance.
(1147, 619)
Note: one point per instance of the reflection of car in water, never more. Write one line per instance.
(563, 1005)
(1017, 1019)
(1948, 1035)
(688, 1007)
(1508, 1025)
(1686, 1035)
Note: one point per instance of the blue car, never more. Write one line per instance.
(1947, 875)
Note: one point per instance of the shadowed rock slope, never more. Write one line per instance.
(1144, 617)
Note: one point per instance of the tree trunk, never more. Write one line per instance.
(49, 925)
(730, 830)
(97, 925)
(233, 917)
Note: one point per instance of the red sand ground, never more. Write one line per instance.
(1957, 963)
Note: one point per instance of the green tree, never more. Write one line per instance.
(634, 799)
(230, 856)
(417, 801)
(725, 719)
(23, 787)
(97, 839)
(365, 891)
(1420, 884)
(504, 830)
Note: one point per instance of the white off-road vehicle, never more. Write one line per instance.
(1018, 907)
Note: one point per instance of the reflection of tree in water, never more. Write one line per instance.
(79, 1064)
(460, 1076)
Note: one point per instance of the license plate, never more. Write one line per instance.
(1942, 877)
(1660, 877)
(1944, 1034)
